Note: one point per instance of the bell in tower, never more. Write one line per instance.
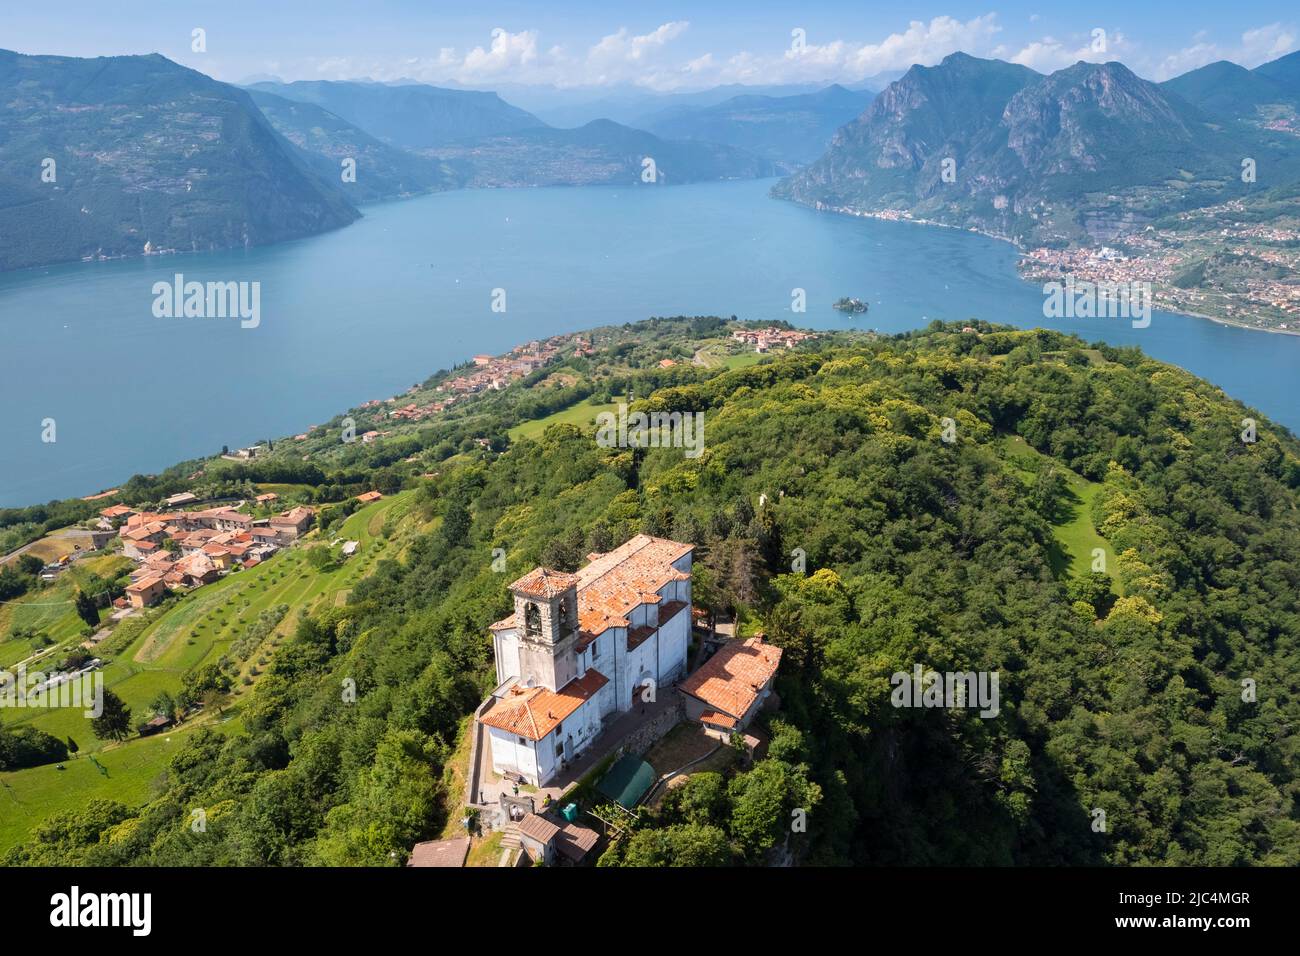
(546, 609)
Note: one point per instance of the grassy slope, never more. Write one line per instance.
(581, 413)
(1076, 537)
(51, 609)
(194, 631)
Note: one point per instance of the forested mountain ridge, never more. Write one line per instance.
(1082, 155)
(116, 156)
(789, 130)
(600, 153)
(326, 141)
(1121, 691)
(412, 116)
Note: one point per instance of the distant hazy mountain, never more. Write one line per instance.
(1269, 94)
(326, 140)
(1284, 70)
(146, 154)
(600, 153)
(628, 105)
(788, 130)
(412, 116)
(1083, 153)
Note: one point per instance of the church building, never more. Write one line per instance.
(582, 648)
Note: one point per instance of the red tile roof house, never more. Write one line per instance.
(581, 649)
(225, 519)
(545, 840)
(148, 590)
(292, 523)
(726, 693)
(194, 570)
(440, 853)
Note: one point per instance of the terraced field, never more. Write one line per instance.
(189, 632)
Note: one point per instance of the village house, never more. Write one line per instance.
(184, 498)
(292, 524)
(193, 571)
(148, 590)
(547, 841)
(224, 519)
(446, 853)
(111, 518)
(582, 648)
(732, 686)
(368, 497)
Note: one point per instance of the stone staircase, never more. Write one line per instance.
(510, 837)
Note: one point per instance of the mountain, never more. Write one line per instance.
(148, 155)
(789, 130)
(1228, 90)
(629, 105)
(911, 126)
(326, 140)
(1083, 154)
(600, 153)
(1284, 71)
(412, 116)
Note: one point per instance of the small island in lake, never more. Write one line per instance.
(847, 304)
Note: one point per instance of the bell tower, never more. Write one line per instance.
(546, 622)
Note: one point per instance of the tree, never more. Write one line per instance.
(72, 747)
(115, 721)
(24, 746)
(164, 705)
(30, 564)
(215, 699)
(12, 584)
(87, 609)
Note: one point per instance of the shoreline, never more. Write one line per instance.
(868, 214)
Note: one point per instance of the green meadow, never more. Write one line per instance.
(581, 413)
(185, 633)
(1072, 526)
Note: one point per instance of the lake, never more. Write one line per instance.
(368, 310)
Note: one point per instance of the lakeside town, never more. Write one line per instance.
(1255, 285)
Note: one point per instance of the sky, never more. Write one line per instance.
(662, 46)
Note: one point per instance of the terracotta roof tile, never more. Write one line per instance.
(533, 712)
(543, 583)
(538, 828)
(632, 574)
(731, 679)
(575, 842)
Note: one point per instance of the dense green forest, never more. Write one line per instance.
(1121, 690)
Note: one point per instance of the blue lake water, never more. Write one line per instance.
(368, 310)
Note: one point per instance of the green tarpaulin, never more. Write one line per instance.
(627, 781)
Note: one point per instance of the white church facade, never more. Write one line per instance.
(582, 648)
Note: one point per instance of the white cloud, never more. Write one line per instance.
(1255, 47)
(924, 43)
(1049, 54)
(657, 61)
(649, 59)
